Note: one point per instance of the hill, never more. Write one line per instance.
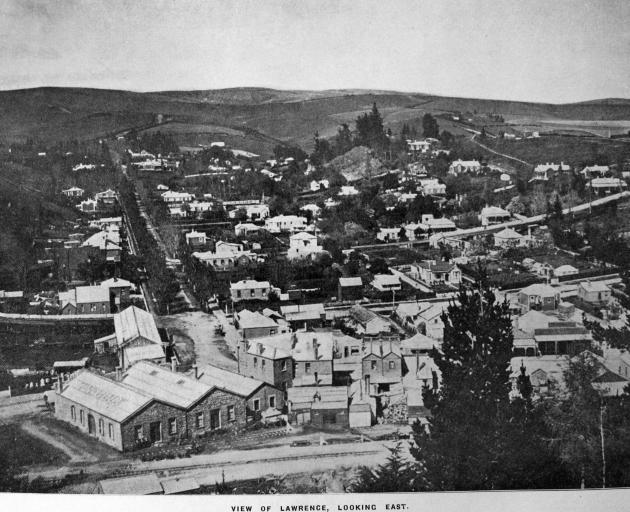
(271, 115)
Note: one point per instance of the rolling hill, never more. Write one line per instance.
(267, 115)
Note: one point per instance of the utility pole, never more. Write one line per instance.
(601, 434)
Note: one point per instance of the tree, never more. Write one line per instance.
(343, 140)
(370, 131)
(467, 442)
(396, 475)
(430, 126)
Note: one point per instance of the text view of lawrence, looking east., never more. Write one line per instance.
(242, 256)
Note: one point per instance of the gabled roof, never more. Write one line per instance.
(304, 349)
(166, 386)
(418, 342)
(303, 312)
(594, 286)
(116, 282)
(248, 284)
(381, 349)
(543, 290)
(229, 381)
(134, 322)
(114, 400)
(306, 394)
(508, 234)
(303, 236)
(278, 346)
(251, 319)
(149, 352)
(350, 281)
(494, 211)
(85, 295)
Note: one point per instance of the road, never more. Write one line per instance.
(499, 154)
(208, 469)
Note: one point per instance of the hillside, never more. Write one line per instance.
(292, 116)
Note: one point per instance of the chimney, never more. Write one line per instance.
(260, 348)
(59, 383)
(173, 365)
(195, 371)
(315, 349)
(119, 373)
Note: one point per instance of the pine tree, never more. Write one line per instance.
(465, 446)
(396, 475)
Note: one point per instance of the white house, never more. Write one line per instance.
(509, 238)
(73, 192)
(386, 283)
(595, 171)
(196, 238)
(464, 166)
(170, 196)
(388, 234)
(565, 270)
(494, 215)
(246, 228)
(431, 187)
(438, 272)
(606, 185)
(89, 205)
(348, 190)
(313, 208)
(542, 172)
(303, 245)
(441, 225)
(319, 185)
(419, 146)
(250, 289)
(594, 292)
(285, 223)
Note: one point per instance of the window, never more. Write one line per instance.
(73, 413)
(199, 420)
(255, 362)
(238, 294)
(138, 433)
(307, 367)
(284, 365)
(231, 415)
(373, 364)
(111, 430)
(262, 363)
(101, 427)
(252, 293)
(272, 401)
(172, 426)
(215, 419)
(392, 365)
(81, 416)
(257, 404)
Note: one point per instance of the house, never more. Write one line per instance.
(196, 238)
(431, 187)
(543, 172)
(312, 354)
(565, 270)
(254, 325)
(315, 185)
(106, 198)
(419, 146)
(386, 283)
(119, 290)
(388, 234)
(73, 192)
(540, 297)
(596, 293)
(88, 206)
(268, 359)
(434, 272)
(606, 185)
(162, 188)
(313, 208)
(348, 191)
(546, 373)
(381, 367)
(430, 224)
(303, 245)
(422, 373)
(259, 396)
(320, 405)
(429, 321)
(464, 166)
(595, 171)
(171, 196)
(349, 288)
(418, 344)
(226, 256)
(107, 223)
(285, 223)
(508, 237)
(562, 338)
(253, 212)
(249, 289)
(136, 338)
(107, 242)
(494, 215)
(368, 322)
(85, 300)
(304, 316)
(246, 228)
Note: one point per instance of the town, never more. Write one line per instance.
(242, 254)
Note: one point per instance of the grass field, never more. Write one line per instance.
(23, 449)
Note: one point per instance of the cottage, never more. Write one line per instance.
(429, 322)
(388, 234)
(540, 297)
(606, 185)
(494, 215)
(107, 242)
(73, 192)
(304, 316)
(303, 245)
(85, 300)
(386, 283)
(595, 171)
(171, 196)
(320, 405)
(246, 228)
(596, 293)
(350, 288)
(254, 325)
(348, 191)
(119, 290)
(464, 166)
(285, 223)
(368, 322)
(196, 238)
(250, 289)
(508, 237)
(431, 187)
(438, 272)
(382, 366)
(565, 270)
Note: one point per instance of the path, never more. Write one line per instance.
(499, 154)
(39, 431)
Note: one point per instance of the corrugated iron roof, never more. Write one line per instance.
(134, 322)
(229, 381)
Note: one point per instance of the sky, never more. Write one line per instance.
(532, 50)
